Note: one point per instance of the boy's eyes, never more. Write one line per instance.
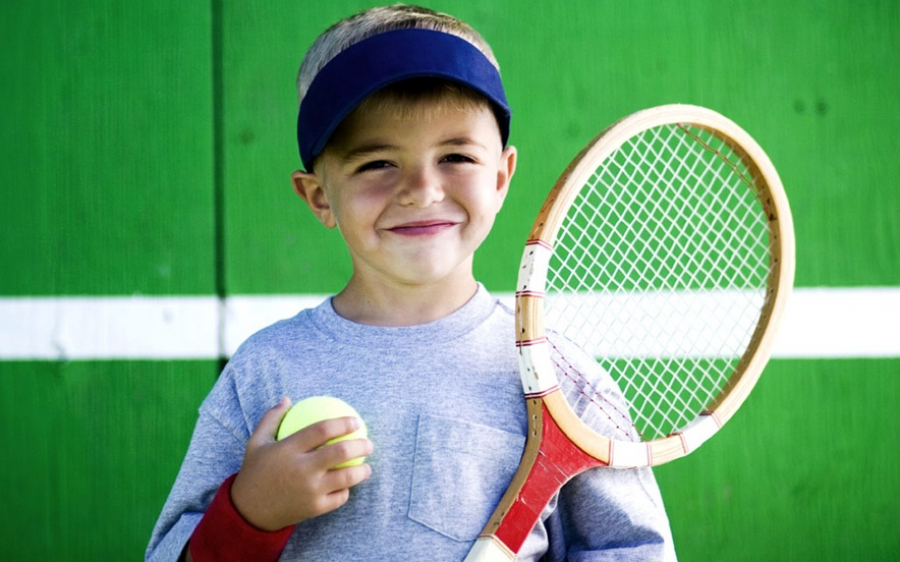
(457, 158)
(373, 165)
(383, 164)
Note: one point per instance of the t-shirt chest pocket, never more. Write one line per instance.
(461, 471)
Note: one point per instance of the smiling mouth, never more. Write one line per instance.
(423, 228)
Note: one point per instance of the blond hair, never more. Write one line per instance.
(373, 21)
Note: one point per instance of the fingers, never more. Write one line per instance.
(333, 442)
(344, 453)
(338, 482)
(320, 433)
(267, 428)
(347, 477)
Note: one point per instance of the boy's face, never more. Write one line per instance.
(413, 197)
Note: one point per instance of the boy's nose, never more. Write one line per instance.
(420, 188)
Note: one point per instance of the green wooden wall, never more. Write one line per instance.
(146, 149)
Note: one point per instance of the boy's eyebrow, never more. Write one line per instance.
(461, 141)
(361, 151)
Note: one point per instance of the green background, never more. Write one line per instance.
(147, 146)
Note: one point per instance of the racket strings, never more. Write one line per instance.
(614, 420)
(708, 223)
(660, 270)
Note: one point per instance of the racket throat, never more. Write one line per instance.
(556, 461)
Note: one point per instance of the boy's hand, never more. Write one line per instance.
(284, 482)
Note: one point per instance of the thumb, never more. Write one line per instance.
(268, 425)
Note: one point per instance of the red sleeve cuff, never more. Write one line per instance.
(224, 536)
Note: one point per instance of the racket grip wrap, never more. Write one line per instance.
(488, 549)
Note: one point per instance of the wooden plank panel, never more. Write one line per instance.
(107, 148)
(107, 174)
(92, 449)
(273, 243)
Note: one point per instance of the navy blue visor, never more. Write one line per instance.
(383, 59)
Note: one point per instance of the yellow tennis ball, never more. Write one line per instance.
(318, 408)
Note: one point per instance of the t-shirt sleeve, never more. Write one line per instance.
(215, 452)
(610, 514)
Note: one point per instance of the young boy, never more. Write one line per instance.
(403, 131)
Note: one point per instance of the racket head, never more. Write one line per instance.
(665, 250)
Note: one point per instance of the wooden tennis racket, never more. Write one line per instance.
(666, 252)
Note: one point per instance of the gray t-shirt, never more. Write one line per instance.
(444, 406)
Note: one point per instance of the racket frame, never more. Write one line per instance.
(548, 411)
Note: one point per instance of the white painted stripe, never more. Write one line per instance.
(819, 323)
(708, 324)
(845, 322)
(84, 328)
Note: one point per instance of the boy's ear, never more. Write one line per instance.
(505, 172)
(309, 187)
